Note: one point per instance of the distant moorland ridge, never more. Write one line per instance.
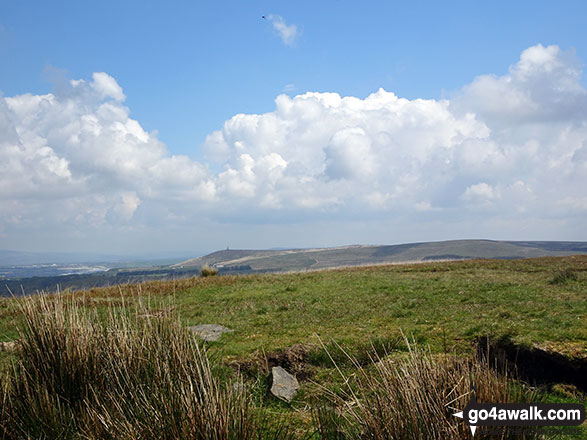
(244, 261)
(320, 258)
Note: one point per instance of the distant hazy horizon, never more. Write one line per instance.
(17, 259)
(148, 129)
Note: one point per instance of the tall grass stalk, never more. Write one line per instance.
(414, 398)
(118, 375)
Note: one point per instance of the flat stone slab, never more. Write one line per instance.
(285, 385)
(209, 332)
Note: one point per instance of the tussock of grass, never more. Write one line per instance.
(208, 271)
(563, 276)
(123, 375)
(414, 398)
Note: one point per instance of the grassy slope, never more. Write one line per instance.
(440, 303)
(443, 304)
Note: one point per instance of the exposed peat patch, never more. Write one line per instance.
(534, 364)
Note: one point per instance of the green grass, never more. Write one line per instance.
(445, 306)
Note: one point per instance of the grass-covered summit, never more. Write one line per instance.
(235, 260)
(335, 329)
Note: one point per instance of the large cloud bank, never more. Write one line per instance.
(503, 147)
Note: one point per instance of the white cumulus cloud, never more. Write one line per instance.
(481, 192)
(107, 86)
(505, 150)
(76, 156)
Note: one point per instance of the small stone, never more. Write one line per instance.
(285, 385)
(209, 332)
(10, 346)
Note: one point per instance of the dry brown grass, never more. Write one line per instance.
(414, 398)
(208, 271)
(122, 375)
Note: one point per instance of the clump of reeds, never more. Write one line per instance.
(563, 276)
(414, 397)
(208, 271)
(117, 374)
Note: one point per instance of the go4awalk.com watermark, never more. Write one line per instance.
(538, 415)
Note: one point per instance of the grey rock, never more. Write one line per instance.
(209, 332)
(285, 385)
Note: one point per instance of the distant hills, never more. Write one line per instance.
(244, 261)
(309, 259)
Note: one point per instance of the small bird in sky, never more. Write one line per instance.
(262, 16)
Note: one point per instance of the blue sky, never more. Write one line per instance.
(186, 67)
(181, 70)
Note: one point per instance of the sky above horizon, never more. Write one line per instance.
(143, 127)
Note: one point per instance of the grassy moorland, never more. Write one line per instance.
(284, 319)
(320, 258)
